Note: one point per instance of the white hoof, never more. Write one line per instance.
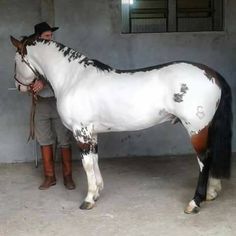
(192, 208)
(213, 189)
(87, 205)
(211, 195)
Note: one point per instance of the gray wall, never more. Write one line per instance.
(93, 28)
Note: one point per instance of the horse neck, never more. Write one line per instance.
(54, 65)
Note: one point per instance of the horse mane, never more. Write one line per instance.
(72, 54)
(27, 40)
(101, 66)
(68, 53)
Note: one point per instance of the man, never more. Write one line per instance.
(48, 125)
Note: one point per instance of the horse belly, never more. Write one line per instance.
(131, 121)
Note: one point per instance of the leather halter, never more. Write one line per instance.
(31, 68)
(22, 52)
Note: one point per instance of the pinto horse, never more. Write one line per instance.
(95, 98)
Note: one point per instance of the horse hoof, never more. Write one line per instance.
(86, 205)
(192, 208)
(214, 188)
(211, 195)
(189, 210)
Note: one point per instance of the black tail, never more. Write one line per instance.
(220, 134)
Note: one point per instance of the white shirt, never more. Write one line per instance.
(46, 92)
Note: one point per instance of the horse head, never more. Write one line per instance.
(24, 73)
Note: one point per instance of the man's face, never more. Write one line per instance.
(46, 35)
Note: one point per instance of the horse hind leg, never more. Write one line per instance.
(213, 188)
(200, 144)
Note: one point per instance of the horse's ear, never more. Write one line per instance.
(16, 43)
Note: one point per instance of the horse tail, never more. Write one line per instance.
(220, 134)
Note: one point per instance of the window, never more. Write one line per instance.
(148, 16)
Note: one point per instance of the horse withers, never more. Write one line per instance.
(95, 98)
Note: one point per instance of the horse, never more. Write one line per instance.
(94, 98)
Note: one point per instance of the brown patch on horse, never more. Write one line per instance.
(20, 45)
(200, 140)
(210, 73)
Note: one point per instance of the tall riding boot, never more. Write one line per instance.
(48, 166)
(67, 168)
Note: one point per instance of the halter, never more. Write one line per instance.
(31, 68)
(37, 75)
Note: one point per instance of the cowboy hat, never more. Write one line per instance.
(43, 27)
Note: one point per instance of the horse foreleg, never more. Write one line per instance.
(87, 144)
(99, 180)
(88, 164)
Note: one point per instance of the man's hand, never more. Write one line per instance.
(37, 86)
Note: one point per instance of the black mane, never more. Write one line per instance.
(101, 66)
(29, 40)
(71, 54)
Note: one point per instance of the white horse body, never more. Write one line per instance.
(94, 98)
(125, 101)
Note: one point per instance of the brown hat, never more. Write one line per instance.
(43, 27)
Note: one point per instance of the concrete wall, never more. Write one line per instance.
(93, 28)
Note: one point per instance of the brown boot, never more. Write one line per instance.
(48, 166)
(67, 168)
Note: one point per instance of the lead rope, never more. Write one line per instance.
(32, 117)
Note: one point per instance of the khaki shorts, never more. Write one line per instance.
(48, 125)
